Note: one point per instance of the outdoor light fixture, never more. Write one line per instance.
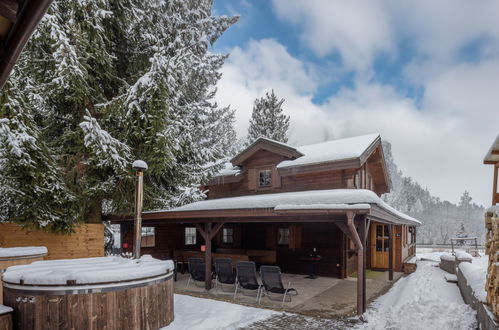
(139, 167)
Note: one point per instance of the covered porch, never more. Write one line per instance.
(345, 216)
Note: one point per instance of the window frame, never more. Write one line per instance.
(224, 236)
(258, 172)
(144, 231)
(188, 233)
(279, 236)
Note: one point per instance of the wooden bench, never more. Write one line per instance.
(198, 254)
(264, 257)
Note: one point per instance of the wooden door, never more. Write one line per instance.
(380, 245)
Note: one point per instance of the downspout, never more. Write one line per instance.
(360, 263)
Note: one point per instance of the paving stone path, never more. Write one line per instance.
(299, 322)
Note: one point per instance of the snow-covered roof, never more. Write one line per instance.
(22, 251)
(340, 199)
(87, 270)
(492, 156)
(330, 151)
(229, 170)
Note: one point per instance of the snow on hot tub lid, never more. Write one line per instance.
(87, 271)
(22, 251)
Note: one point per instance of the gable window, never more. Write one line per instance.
(228, 235)
(283, 236)
(148, 237)
(190, 235)
(265, 178)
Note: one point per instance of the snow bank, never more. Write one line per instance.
(476, 275)
(22, 251)
(447, 257)
(329, 151)
(87, 270)
(422, 300)
(200, 314)
(4, 309)
(298, 199)
(463, 256)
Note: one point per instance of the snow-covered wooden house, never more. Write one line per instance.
(294, 207)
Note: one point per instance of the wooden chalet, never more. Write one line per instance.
(277, 204)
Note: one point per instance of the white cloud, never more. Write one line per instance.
(357, 30)
(441, 143)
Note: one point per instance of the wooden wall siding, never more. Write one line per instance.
(168, 238)
(6, 321)
(326, 238)
(147, 307)
(87, 240)
(302, 182)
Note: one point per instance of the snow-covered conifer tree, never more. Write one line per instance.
(268, 119)
(102, 83)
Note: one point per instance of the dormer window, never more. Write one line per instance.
(265, 178)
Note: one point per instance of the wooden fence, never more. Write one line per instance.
(87, 240)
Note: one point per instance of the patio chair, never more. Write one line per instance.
(272, 284)
(246, 278)
(196, 270)
(224, 273)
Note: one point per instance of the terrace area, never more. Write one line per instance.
(322, 297)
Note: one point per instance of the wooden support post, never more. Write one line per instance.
(363, 237)
(495, 195)
(360, 262)
(208, 233)
(207, 256)
(390, 252)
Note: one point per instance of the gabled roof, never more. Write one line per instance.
(358, 147)
(492, 156)
(263, 143)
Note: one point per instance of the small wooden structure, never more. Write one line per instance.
(281, 205)
(19, 256)
(93, 293)
(492, 226)
(5, 318)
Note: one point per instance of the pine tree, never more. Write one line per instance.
(102, 83)
(268, 119)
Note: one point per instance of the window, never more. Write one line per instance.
(228, 235)
(283, 236)
(265, 178)
(190, 236)
(148, 237)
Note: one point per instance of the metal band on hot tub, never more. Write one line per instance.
(84, 289)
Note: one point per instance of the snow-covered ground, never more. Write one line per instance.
(423, 300)
(193, 313)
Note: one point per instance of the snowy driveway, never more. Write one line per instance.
(423, 300)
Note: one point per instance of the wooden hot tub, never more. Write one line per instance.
(19, 256)
(91, 293)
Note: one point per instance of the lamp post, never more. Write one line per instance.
(139, 167)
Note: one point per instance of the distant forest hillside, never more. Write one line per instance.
(441, 219)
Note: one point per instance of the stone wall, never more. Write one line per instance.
(492, 250)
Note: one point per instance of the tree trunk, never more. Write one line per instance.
(93, 214)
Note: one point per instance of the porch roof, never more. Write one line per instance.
(303, 203)
(492, 156)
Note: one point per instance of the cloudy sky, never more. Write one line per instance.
(424, 74)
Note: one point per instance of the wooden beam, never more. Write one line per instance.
(360, 263)
(201, 230)
(207, 256)
(216, 229)
(363, 237)
(390, 252)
